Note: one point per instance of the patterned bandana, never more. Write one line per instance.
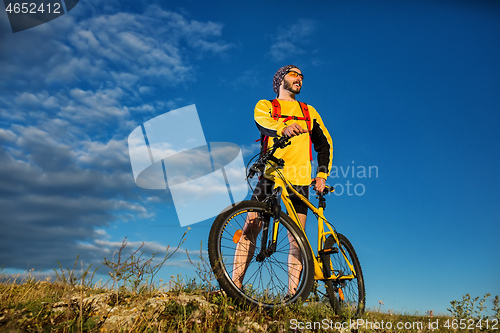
(278, 77)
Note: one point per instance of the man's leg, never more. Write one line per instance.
(295, 259)
(245, 248)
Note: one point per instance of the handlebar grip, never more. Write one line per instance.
(326, 190)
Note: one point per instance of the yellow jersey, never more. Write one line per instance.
(298, 168)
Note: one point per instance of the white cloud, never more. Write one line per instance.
(67, 108)
(55, 194)
(292, 40)
(130, 53)
(7, 135)
(250, 150)
(100, 105)
(111, 155)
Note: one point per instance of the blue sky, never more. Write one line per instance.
(410, 88)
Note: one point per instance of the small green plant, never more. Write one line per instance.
(137, 272)
(70, 277)
(496, 307)
(474, 308)
(203, 271)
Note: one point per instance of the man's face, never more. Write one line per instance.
(293, 81)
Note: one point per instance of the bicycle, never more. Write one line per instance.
(267, 269)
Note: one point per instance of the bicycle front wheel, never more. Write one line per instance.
(347, 296)
(255, 272)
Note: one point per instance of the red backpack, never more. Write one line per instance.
(276, 114)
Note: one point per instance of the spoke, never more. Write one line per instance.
(265, 282)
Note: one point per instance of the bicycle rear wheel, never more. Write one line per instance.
(266, 281)
(347, 297)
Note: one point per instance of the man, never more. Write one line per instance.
(304, 133)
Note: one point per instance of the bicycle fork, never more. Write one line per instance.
(340, 281)
(328, 249)
(274, 205)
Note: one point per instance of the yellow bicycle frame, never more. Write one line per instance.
(322, 235)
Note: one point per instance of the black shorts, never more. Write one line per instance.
(265, 187)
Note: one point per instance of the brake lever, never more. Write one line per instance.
(255, 168)
(326, 190)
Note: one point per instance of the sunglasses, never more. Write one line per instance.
(295, 74)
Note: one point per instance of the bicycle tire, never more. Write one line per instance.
(265, 284)
(353, 291)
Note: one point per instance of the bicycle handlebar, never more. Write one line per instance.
(281, 142)
(268, 155)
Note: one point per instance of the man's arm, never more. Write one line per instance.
(265, 123)
(323, 145)
(270, 127)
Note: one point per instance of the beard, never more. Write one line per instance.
(290, 87)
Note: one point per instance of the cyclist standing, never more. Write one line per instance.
(285, 116)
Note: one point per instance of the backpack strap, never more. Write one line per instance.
(305, 112)
(276, 114)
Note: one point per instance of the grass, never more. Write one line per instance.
(45, 306)
(133, 303)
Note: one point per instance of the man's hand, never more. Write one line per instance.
(320, 184)
(293, 130)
